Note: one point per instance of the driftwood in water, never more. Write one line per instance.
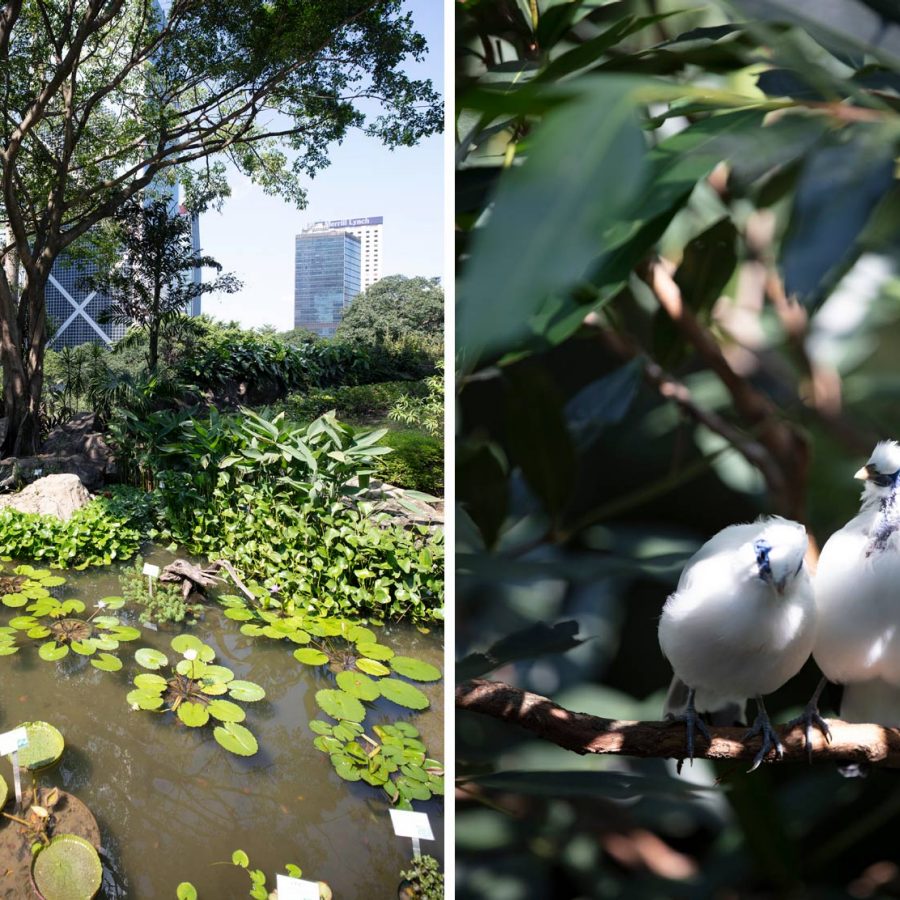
(194, 579)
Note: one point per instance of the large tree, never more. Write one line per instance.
(394, 308)
(100, 99)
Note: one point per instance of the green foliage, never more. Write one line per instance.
(416, 464)
(165, 604)
(194, 692)
(354, 403)
(426, 413)
(258, 890)
(95, 535)
(394, 309)
(425, 878)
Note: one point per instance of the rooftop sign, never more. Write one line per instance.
(346, 223)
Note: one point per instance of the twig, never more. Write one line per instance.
(582, 733)
(229, 568)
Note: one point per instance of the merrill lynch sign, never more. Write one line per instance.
(349, 223)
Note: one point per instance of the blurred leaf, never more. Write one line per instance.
(537, 436)
(603, 402)
(541, 234)
(786, 83)
(707, 266)
(537, 640)
(481, 475)
(577, 783)
(840, 185)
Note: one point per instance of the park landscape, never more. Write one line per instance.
(258, 703)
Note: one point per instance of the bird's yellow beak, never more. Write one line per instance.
(862, 474)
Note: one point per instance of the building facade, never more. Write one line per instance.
(368, 230)
(326, 278)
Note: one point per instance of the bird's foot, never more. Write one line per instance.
(693, 723)
(763, 727)
(810, 719)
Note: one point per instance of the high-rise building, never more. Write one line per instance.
(326, 278)
(368, 230)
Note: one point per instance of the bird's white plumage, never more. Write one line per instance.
(728, 633)
(858, 598)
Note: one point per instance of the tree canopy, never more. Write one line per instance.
(393, 309)
(103, 99)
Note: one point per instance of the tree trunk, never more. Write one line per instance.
(23, 377)
(153, 350)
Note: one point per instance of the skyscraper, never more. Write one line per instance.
(326, 278)
(368, 230)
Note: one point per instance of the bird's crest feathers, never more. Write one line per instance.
(885, 457)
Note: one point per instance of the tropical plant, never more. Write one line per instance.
(417, 462)
(353, 403)
(427, 412)
(95, 535)
(424, 878)
(166, 604)
(194, 691)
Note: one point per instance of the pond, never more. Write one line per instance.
(172, 804)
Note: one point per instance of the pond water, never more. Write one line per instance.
(172, 804)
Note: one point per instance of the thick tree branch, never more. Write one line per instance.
(583, 733)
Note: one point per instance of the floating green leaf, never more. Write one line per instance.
(239, 858)
(310, 656)
(357, 685)
(106, 662)
(193, 714)
(226, 711)
(374, 651)
(403, 694)
(45, 745)
(372, 667)
(416, 669)
(246, 691)
(340, 705)
(185, 891)
(67, 868)
(150, 658)
(152, 683)
(52, 651)
(144, 699)
(236, 739)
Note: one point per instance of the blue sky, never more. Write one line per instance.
(253, 236)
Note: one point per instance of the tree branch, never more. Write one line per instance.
(582, 733)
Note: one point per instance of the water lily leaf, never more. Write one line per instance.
(68, 866)
(320, 727)
(358, 685)
(213, 688)
(246, 690)
(299, 637)
(374, 651)
(185, 891)
(52, 651)
(359, 634)
(24, 570)
(14, 600)
(327, 743)
(238, 614)
(239, 858)
(125, 633)
(152, 684)
(217, 673)
(72, 606)
(150, 658)
(144, 699)
(192, 668)
(106, 662)
(52, 581)
(38, 632)
(193, 714)
(346, 731)
(372, 667)
(23, 623)
(416, 669)
(8, 650)
(105, 621)
(103, 642)
(226, 711)
(185, 642)
(413, 790)
(236, 739)
(346, 769)
(403, 694)
(310, 656)
(340, 705)
(252, 629)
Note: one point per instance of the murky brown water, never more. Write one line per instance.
(171, 803)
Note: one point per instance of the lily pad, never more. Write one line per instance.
(402, 693)
(309, 656)
(372, 667)
(358, 685)
(106, 662)
(185, 891)
(226, 711)
(340, 705)
(374, 651)
(416, 669)
(45, 746)
(150, 658)
(52, 581)
(185, 642)
(245, 690)
(236, 739)
(154, 684)
(193, 714)
(144, 699)
(110, 602)
(52, 651)
(68, 868)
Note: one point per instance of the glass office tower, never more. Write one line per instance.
(326, 278)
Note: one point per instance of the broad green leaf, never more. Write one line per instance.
(372, 667)
(144, 699)
(358, 685)
(52, 651)
(340, 705)
(106, 662)
(239, 858)
(150, 658)
(416, 669)
(310, 656)
(374, 651)
(193, 714)
(226, 711)
(186, 891)
(236, 739)
(246, 691)
(151, 683)
(402, 693)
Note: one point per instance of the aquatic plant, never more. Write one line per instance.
(258, 889)
(394, 759)
(194, 691)
(423, 880)
(68, 868)
(44, 748)
(165, 604)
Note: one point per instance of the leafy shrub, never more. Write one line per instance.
(416, 464)
(426, 876)
(426, 413)
(358, 403)
(94, 536)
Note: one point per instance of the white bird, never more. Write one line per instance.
(858, 598)
(740, 624)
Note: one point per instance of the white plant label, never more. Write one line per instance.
(11, 741)
(413, 825)
(151, 572)
(296, 888)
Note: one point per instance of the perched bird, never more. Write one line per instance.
(741, 624)
(858, 598)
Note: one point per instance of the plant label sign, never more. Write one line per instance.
(413, 825)
(296, 888)
(151, 572)
(11, 742)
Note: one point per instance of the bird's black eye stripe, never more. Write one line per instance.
(885, 480)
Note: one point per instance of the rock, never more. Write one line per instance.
(52, 495)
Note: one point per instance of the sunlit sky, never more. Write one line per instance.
(254, 234)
